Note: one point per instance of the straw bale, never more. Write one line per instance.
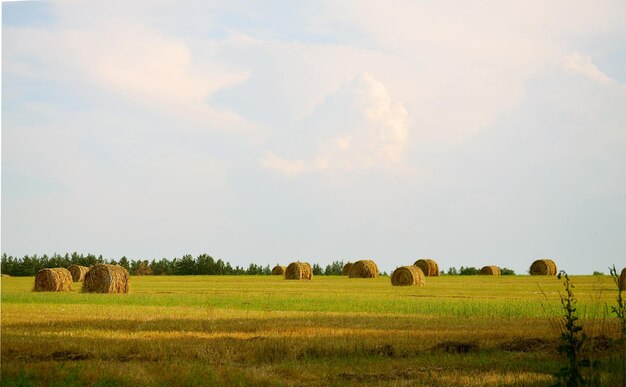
(490, 270)
(105, 278)
(543, 267)
(78, 272)
(279, 270)
(298, 271)
(622, 280)
(429, 267)
(407, 276)
(364, 269)
(53, 280)
(346, 268)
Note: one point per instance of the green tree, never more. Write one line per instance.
(124, 263)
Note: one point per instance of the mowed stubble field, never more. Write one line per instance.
(264, 330)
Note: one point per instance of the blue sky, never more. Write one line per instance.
(490, 133)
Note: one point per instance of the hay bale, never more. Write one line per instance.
(298, 271)
(429, 267)
(364, 269)
(310, 270)
(106, 279)
(490, 270)
(346, 268)
(78, 272)
(407, 276)
(278, 270)
(543, 267)
(622, 279)
(53, 280)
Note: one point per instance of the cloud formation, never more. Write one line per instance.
(578, 64)
(357, 126)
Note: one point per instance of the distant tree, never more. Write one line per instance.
(335, 268)
(506, 271)
(205, 264)
(471, 270)
(317, 269)
(186, 265)
(254, 269)
(598, 273)
(124, 263)
(143, 268)
(162, 267)
(452, 271)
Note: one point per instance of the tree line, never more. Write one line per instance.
(203, 264)
(471, 270)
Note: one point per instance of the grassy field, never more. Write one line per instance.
(262, 330)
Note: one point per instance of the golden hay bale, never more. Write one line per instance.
(407, 276)
(78, 272)
(278, 270)
(53, 280)
(622, 279)
(346, 268)
(543, 267)
(364, 269)
(106, 279)
(490, 270)
(428, 266)
(298, 270)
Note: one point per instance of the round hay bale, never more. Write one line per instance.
(310, 270)
(490, 270)
(407, 276)
(622, 279)
(364, 269)
(78, 272)
(346, 268)
(298, 271)
(428, 266)
(106, 279)
(53, 280)
(278, 270)
(543, 267)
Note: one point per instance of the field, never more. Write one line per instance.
(263, 330)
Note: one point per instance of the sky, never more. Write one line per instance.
(474, 133)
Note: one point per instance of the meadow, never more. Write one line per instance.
(332, 330)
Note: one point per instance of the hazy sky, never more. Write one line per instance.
(475, 133)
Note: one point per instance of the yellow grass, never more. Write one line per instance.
(263, 330)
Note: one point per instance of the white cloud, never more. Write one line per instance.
(289, 167)
(130, 60)
(357, 126)
(578, 64)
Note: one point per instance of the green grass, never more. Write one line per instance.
(269, 331)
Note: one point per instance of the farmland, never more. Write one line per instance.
(264, 330)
